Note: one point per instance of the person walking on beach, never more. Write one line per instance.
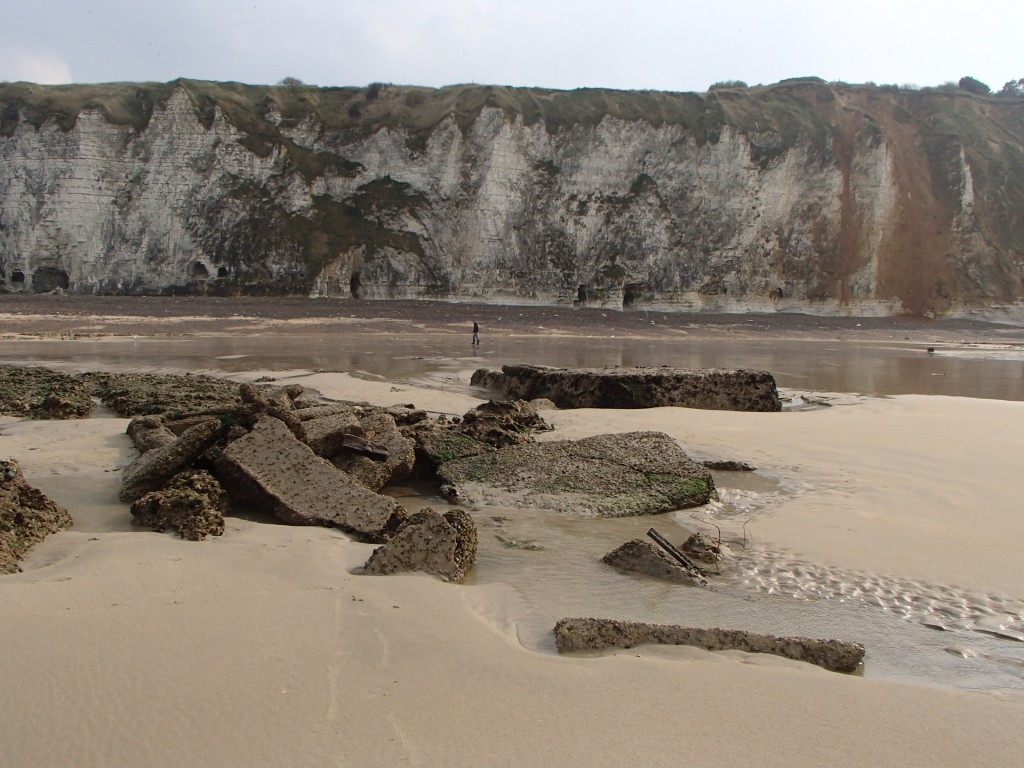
(476, 333)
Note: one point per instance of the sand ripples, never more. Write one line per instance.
(938, 607)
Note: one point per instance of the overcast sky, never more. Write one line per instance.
(638, 44)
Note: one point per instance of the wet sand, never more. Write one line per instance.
(162, 315)
(263, 648)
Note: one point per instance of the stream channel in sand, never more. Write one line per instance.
(551, 563)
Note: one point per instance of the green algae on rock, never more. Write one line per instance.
(636, 473)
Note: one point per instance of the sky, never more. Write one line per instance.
(564, 44)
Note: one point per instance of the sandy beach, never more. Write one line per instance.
(264, 648)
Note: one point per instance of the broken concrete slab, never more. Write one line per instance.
(271, 469)
(360, 446)
(575, 634)
(362, 440)
(635, 473)
(277, 402)
(41, 393)
(708, 388)
(153, 469)
(442, 545)
(327, 409)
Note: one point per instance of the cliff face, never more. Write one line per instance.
(800, 196)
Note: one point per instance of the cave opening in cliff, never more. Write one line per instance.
(222, 271)
(630, 294)
(46, 279)
(17, 277)
(199, 271)
(354, 285)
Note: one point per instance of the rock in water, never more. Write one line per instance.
(643, 557)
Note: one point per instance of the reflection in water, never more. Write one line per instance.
(871, 368)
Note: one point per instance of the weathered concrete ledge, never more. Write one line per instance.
(718, 389)
(582, 634)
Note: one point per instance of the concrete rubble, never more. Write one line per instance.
(499, 423)
(362, 440)
(153, 470)
(383, 456)
(284, 452)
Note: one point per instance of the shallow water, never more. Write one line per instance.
(917, 632)
(553, 562)
(993, 371)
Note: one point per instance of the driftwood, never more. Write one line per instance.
(678, 556)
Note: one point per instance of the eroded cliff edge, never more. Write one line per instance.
(800, 196)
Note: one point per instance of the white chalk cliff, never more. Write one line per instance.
(801, 196)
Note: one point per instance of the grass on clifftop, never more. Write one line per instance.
(789, 110)
(412, 109)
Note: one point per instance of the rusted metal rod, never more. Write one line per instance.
(682, 559)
